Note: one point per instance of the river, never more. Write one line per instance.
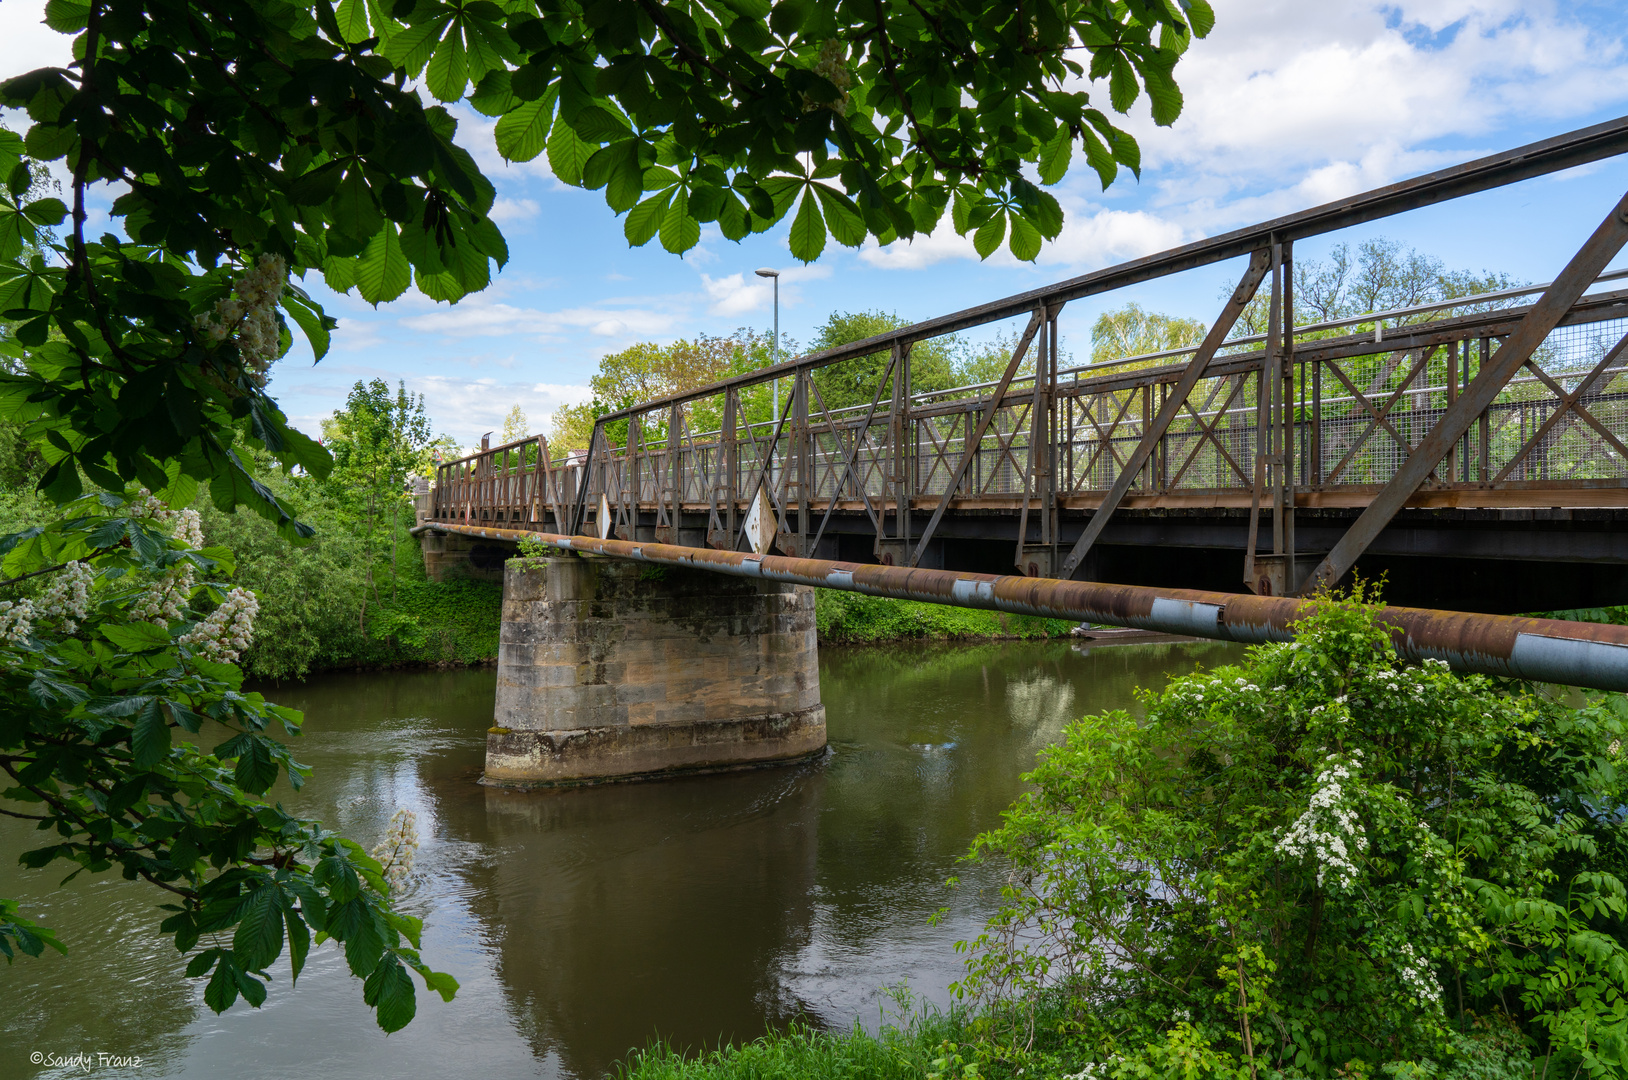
(583, 923)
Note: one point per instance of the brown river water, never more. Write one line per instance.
(585, 923)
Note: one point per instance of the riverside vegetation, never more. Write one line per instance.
(1318, 863)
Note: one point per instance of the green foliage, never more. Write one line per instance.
(853, 382)
(271, 138)
(378, 440)
(317, 611)
(895, 1053)
(646, 370)
(109, 697)
(450, 622)
(854, 617)
(311, 595)
(1321, 860)
(1131, 331)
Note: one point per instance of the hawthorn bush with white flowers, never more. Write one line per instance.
(1323, 862)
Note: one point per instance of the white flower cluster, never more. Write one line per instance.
(167, 599)
(1416, 974)
(16, 621)
(66, 599)
(398, 848)
(1193, 690)
(250, 313)
(184, 524)
(1327, 830)
(833, 68)
(227, 631)
(1096, 1071)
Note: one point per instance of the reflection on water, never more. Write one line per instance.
(584, 923)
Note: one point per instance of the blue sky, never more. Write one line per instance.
(1289, 104)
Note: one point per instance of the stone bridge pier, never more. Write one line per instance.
(614, 670)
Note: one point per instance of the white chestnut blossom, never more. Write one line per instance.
(184, 524)
(66, 600)
(250, 315)
(832, 67)
(227, 631)
(16, 621)
(167, 599)
(1328, 830)
(398, 848)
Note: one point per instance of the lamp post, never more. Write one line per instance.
(774, 275)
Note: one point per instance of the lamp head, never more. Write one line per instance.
(766, 272)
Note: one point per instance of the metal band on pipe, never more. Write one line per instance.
(1593, 655)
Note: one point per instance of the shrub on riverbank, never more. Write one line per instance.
(318, 610)
(854, 618)
(1318, 863)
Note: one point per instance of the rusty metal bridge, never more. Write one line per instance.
(1475, 451)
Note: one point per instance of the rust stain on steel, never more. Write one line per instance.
(1592, 655)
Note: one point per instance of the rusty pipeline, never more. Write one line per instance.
(1592, 655)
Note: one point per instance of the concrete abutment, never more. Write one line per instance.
(613, 670)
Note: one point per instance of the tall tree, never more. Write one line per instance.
(378, 440)
(646, 370)
(933, 363)
(1132, 331)
(515, 425)
(1381, 276)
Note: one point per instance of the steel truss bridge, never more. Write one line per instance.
(1474, 451)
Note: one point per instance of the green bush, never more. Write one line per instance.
(849, 617)
(1323, 862)
(318, 610)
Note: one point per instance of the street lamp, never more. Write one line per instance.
(775, 276)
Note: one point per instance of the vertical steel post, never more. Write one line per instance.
(675, 422)
(895, 419)
(800, 438)
(1286, 444)
(730, 466)
(1485, 423)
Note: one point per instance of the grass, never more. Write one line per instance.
(802, 1052)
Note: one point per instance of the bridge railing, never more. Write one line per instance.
(1518, 397)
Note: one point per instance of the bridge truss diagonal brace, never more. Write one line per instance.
(1260, 263)
(1591, 259)
(975, 439)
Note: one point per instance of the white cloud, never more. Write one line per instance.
(743, 293)
(506, 211)
(26, 42)
(1104, 237)
(477, 317)
(355, 335)
(1091, 237)
(1350, 92)
(467, 408)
